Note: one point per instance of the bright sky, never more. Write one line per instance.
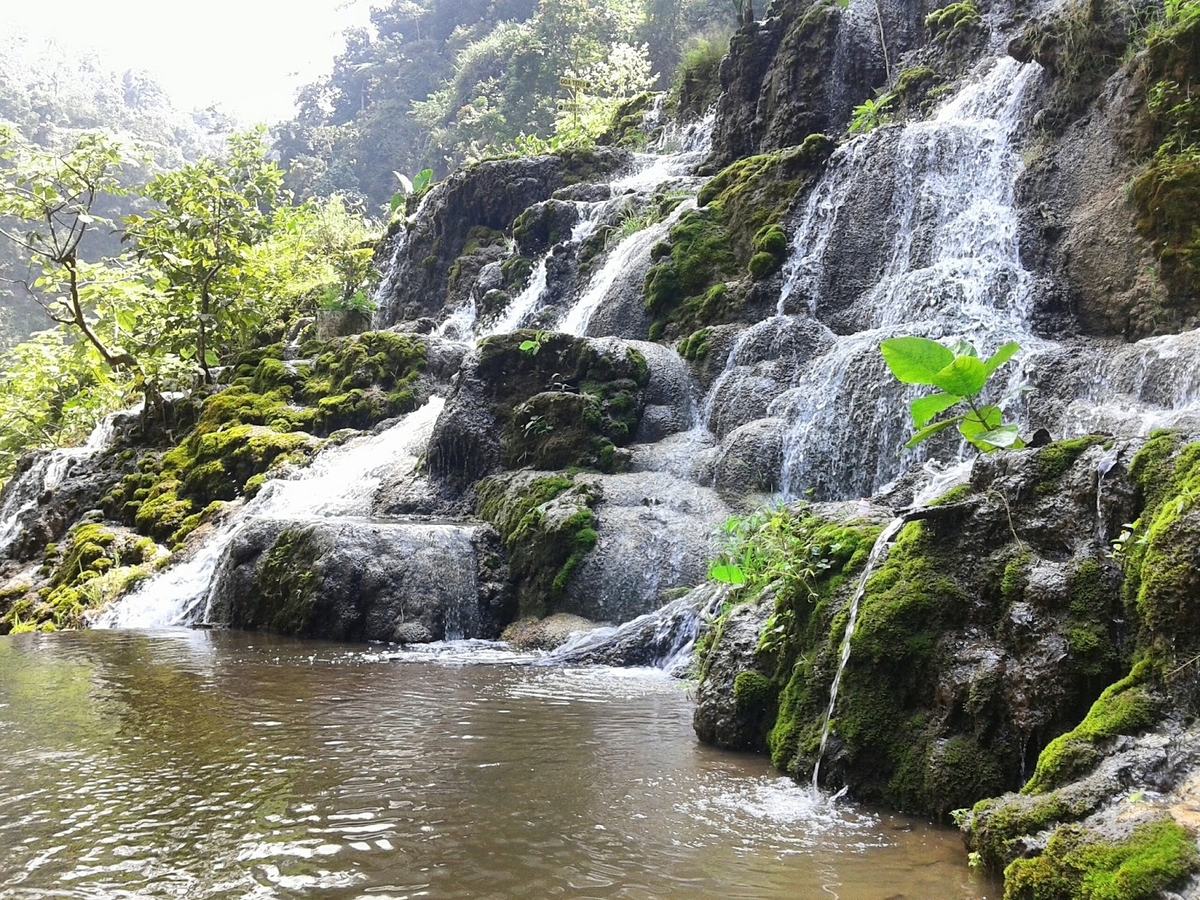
(248, 56)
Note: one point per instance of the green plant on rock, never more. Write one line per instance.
(960, 376)
(870, 114)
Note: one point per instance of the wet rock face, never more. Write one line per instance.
(802, 70)
(726, 715)
(360, 580)
(462, 215)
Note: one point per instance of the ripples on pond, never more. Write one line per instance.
(225, 765)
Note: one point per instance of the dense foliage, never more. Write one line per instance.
(435, 82)
(50, 99)
(218, 261)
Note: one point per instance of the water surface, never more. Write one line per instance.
(225, 765)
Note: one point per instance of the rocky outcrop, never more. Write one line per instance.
(560, 401)
(472, 210)
(360, 580)
(992, 624)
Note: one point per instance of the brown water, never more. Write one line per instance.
(225, 765)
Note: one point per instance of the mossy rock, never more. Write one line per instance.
(734, 231)
(627, 129)
(548, 527)
(286, 595)
(1076, 865)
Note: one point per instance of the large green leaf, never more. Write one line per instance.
(1003, 438)
(916, 360)
(925, 408)
(1001, 356)
(929, 431)
(964, 376)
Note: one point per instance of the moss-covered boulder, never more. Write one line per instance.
(269, 418)
(535, 399)
(547, 525)
(90, 567)
(991, 626)
(350, 579)
(483, 198)
(735, 237)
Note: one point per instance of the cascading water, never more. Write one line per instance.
(953, 269)
(340, 483)
(938, 483)
(22, 493)
(631, 251)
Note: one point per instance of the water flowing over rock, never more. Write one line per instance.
(52, 488)
(304, 557)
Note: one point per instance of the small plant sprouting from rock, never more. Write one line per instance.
(533, 346)
(870, 114)
(960, 376)
(772, 547)
(410, 186)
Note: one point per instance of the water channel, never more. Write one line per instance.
(191, 763)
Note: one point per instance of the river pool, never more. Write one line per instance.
(208, 764)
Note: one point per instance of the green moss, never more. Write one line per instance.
(241, 434)
(1162, 562)
(544, 550)
(89, 569)
(626, 129)
(737, 221)
(286, 585)
(996, 823)
(1127, 707)
(1015, 578)
(752, 691)
(954, 495)
(695, 345)
(956, 17)
(1155, 856)
(1055, 459)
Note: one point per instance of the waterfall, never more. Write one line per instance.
(938, 483)
(24, 491)
(951, 269)
(340, 483)
(877, 552)
(631, 251)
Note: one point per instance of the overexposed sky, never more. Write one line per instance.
(248, 56)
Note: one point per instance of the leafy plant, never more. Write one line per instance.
(960, 376)
(773, 547)
(410, 187)
(533, 346)
(870, 114)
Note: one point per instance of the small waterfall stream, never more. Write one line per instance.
(22, 493)
(877, 553)
(340, 483)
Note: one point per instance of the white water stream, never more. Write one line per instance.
(341, 482)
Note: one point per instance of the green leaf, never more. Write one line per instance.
(527, 346)
(422, 180)
(727, 574)
(916, 360)
(1001, 356)
(965, 376)
(929, 431)
(925, 408)
(1005, 437)
(972, 425)
(397, 200)
(211, 358)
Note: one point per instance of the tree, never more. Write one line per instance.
(200, 239)
(52, 197)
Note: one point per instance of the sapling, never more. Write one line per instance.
(960, 376)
